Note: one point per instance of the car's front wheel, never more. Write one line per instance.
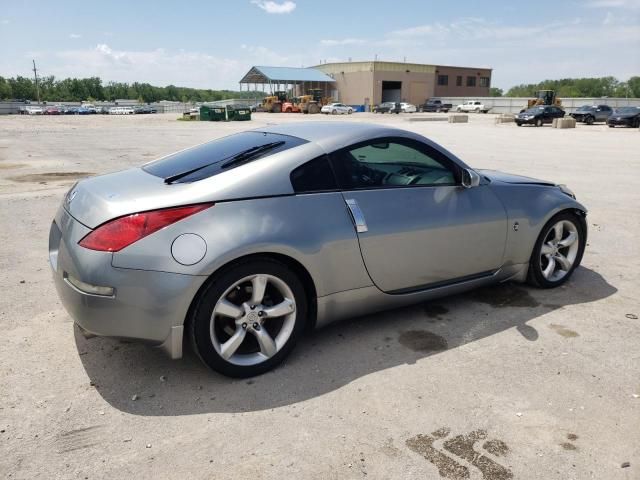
(538, 122)
(589, 120)
(558, 251)
(248, 318)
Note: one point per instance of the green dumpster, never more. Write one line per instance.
(231, 112)
(242, 114)
(212, 114)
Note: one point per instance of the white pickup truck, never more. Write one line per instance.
(472, 106)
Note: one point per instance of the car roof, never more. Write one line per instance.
(333, 135)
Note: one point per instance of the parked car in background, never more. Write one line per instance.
(625, 117)
(539, 115)
(592, 113)
(387, 107)
(71, 110)
(144, 109)
(89, 108)
(121, 111)
(31, 110)
(51, 111)
(435, 105)
(475, 106)
(321, 221)
(408, 107)
(82, 110)
(336, 108)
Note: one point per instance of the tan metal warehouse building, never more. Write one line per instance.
(370, 83)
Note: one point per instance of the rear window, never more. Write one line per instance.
(213, 157)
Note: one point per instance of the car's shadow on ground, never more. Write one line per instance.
(143, 381)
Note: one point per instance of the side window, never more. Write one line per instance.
(390, 163)
(314, 176)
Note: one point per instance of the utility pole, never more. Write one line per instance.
(35, 74)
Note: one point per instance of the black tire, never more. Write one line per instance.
(589, 120)
(199, 322)
(519, 124)
(611, 126)
(538, 122)
(535, 276)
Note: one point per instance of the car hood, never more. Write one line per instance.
(495, 175)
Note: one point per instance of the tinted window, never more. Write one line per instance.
(211, 158)
(314, 176)
(388, 163)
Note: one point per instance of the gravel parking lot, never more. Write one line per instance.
(499, 383)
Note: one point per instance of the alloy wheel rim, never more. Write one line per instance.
(559, 250)
(253, 319)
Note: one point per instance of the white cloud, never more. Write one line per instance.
(631, 4)
(4, 22)
(75, 35)
(275, 7)
(344, 41)
(517, 53)
(159, 67)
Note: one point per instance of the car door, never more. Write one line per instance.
(417, 226)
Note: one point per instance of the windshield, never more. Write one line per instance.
(211, 158)
(628, 110)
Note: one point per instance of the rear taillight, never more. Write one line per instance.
(121, 232)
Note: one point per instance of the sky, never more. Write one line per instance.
(212, 44)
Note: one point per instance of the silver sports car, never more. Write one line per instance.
(241, 243)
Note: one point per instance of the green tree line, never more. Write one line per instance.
(578, 87)
(80, 89)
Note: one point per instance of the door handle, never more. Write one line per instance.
(357, 216)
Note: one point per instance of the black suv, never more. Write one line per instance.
(625, 117)
(592, 113)
(539, 115)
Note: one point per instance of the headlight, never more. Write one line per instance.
(567, 191)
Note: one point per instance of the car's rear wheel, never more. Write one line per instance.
(558, 251)
(249, 318)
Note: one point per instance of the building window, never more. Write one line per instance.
(471, 81)
(443, 80)
(459, 81)
(484, 81)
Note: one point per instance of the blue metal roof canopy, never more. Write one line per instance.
(285, 75)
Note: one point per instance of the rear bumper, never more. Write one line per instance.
(145, 306)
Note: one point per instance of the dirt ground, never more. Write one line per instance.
(500, 383)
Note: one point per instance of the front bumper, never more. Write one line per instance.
(145, 306)
(623, 122)
(525, 121)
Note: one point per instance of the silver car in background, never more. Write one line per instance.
(240, 243)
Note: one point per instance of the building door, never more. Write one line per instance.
(391, 91)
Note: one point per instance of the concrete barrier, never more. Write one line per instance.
(566, 122)
(505, 118)
(457, 118)
(427, 119)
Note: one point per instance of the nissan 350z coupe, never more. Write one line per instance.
(242, 242)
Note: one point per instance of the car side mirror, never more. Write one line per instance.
(470, 178)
